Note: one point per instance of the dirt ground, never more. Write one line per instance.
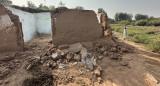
(121, 64)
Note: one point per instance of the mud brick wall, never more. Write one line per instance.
(105, 24)
(11, 36)
(71, 26)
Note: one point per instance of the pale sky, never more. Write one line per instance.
(148, 7)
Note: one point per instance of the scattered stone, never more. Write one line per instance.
(65, 46)
(114, 49)
(99, 68)
(124, 50)
(99, 79)
(103, 49)
(115, 57)
(84, 50)
(37, 57)
(54, 65)
(77, 57)
(75, 48)
(59, 61)
(56, 56)
(49, 53)
(61, 67)
(69, 56)
(65, 61)
(100, 57)
(124, 63)
(105, 53)
(97, 72)
(94, 61)
(65, 51)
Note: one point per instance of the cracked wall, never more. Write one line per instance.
(11, 36)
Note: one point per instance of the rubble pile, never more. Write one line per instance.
(70, 63)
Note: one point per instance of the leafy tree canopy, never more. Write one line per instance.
(140, 17)
(101, 10)
(123, 16)
(31, 4)
(8, 2)
(79, 8)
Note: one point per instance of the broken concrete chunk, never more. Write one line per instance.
(65, 51)
(83, 58)
(56, 56)
(84, 50)
(37, 57)
(97, 72)
(100, 57)
(88, 60)
(89, 63)
(61, 67)
(69, 56)
(77, 57)
(75, 48)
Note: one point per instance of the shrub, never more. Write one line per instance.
(141, 22)
(117, 29)
(155, 46)
(155, 22)
(125, 22)
(140, 39)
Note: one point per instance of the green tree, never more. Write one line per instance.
(51, 7)
(140, 17)
(31, 4)
(42, 7)
(8, 2)
(123, 16)
(79, 8)
(101, 10)
(111, 21)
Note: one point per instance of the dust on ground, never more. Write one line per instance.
(111, 63)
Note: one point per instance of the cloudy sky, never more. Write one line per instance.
(149, 7)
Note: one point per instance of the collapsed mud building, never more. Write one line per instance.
(65, 25)
(79, 39)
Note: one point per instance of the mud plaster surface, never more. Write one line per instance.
(73, 26)
(11, 36)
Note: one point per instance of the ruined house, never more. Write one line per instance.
(71, 26)
(11, 36)
(33, 21)
(65, 25)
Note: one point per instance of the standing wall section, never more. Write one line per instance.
(71, 26)
(28, 22)
(11, 36)
(33, 23)
(43, 23)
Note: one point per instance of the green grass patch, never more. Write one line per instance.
(146, 35)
